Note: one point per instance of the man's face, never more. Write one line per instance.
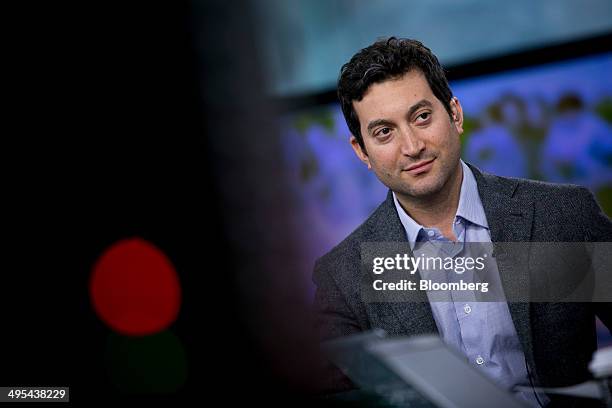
(412, 145)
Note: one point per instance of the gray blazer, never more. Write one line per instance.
(558, 339)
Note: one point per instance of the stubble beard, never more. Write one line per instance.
(432, 186)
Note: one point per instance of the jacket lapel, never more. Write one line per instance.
(414, 316)
(510, 221)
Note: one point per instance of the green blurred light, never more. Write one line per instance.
(154, 364)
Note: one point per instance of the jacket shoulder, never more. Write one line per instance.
(383, 225)
(568, 200)
(543, 189)
(348, 250)
(554, 194)
(566, 207)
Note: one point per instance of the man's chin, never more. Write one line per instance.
(419, 192)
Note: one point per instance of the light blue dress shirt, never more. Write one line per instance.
(482, 331)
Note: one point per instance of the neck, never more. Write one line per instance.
(437, 210)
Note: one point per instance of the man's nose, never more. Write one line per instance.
(411, 144)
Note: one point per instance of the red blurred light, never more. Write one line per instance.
(134, 288)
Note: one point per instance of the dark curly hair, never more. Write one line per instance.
(388, 59)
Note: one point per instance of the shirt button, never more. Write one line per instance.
(479, 360)
(431, 233)
(467, 309)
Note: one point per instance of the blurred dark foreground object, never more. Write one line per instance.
(421, 371)
(148, 120)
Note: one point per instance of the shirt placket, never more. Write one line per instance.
(465, 306)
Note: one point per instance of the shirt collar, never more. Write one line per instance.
(411, 227)
(469, 208)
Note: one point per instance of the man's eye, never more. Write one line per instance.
(423, 116)
(383, 132)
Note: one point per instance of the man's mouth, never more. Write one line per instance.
(420, 167)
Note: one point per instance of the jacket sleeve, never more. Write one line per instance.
(333, 318)
(598, 229)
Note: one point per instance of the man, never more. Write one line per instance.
(406, 126)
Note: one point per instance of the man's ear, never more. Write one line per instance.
(457, 114)
(361, 154)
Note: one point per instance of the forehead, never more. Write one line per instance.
(384, 100)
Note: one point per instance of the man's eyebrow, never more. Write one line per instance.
(378, 122)
(420, 104)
